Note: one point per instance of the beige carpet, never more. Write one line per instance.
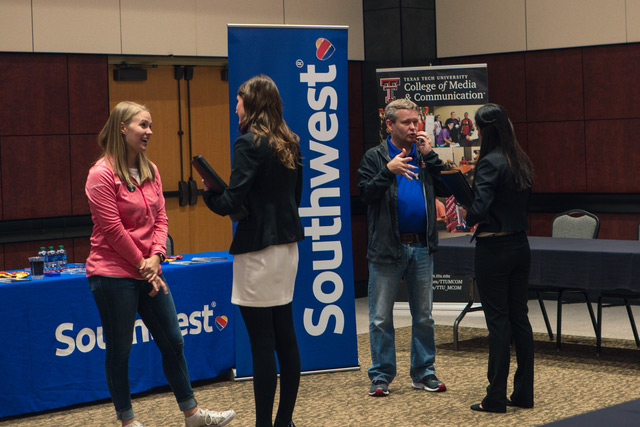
(568, 383)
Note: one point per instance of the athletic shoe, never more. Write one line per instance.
(379, 388)
(429, 383)
(205, 417)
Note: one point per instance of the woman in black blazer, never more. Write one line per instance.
(502, 184)
(266, 179)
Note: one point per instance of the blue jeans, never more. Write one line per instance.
(118, 300)
(416, 267)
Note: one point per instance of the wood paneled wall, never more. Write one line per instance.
(53, 107)
(356, 151)
(576, 113)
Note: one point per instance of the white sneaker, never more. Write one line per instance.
(205, 417)
(136, 423)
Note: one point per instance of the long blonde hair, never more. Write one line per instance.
(263, 116)
(114, 146)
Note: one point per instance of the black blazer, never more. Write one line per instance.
(497, 206)
(269, 191)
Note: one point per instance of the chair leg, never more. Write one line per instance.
(545, 316)
(457, 322)
(599, 330)
(591, 315)
(633, 322)
(559, 321)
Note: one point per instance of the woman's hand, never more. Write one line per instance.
(148, 268)
(463, 213)
(158, 285)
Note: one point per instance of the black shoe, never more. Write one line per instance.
(510, 403)
(478, 407)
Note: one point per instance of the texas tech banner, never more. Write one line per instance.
(309, 65)
(434, 86)
(444, 94)
(447, 98)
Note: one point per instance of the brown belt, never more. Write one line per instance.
(413, 238)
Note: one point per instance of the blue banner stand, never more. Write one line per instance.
(309, 66)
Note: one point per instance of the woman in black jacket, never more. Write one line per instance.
(266, 179)
(502, 185)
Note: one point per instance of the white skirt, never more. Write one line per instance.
(265, 278)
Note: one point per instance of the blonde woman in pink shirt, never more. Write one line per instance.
(128, 245)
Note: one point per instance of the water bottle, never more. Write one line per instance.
(42, 252)
(61, 254)
(50, 261)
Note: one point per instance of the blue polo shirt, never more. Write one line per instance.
(412, 212)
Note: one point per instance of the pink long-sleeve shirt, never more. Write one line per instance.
(128, 225)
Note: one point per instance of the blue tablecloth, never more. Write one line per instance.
(53, 350)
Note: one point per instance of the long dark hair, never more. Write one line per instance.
(263, 116)
(496, 133)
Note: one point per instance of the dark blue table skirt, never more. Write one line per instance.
(53, 349)
(593, 264)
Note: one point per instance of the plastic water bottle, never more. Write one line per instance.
(50, 260)
(61, 255)
(42, 252)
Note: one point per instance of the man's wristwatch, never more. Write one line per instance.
(162, 257)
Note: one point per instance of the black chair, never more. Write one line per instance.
(577, 224)
(169, 245)
(625, 296)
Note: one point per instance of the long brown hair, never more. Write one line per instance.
(496, 133)
(114, 146)
(263, 116)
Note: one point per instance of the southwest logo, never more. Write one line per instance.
(324, 49)
(221, 322)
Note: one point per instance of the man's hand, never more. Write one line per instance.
(399, 165)
(424, 143)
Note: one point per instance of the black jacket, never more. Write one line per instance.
(379, 190)
(268, 190)
(497, 206)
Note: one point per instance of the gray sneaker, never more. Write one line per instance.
(205, 417)
(379, 388)
(429, 383)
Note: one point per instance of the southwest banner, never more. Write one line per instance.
(309, 65)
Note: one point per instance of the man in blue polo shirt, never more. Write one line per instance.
(399, 180)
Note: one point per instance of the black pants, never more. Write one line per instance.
(271, 331)
(502, 266)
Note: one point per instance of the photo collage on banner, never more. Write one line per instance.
(447, 98)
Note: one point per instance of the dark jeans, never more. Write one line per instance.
(502, 266)
(118, 301)
(271, 332)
